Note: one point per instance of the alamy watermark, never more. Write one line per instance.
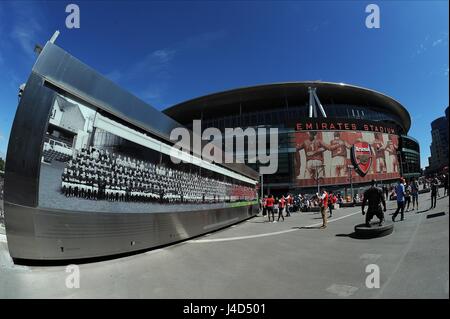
(373, 19)
(73, 19)
(235, 145)
(73, 279)
(373, 279)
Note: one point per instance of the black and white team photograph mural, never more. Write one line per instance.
(93, 162)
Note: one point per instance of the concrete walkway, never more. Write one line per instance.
(258, 259)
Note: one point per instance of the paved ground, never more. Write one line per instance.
(257, 259)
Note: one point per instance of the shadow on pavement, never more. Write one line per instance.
(436, 215)
(307, 227)
(352, 235)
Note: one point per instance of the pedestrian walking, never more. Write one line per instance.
(408, 191)
(446, 185)
(434, 193)
(289, 202)
(281, 207)
(436, 180)
(323, 203)
(269, 204)
(331, 201)
(400, 192)
(264, 205)
(276, 209)
(415, 193)
(375, 198)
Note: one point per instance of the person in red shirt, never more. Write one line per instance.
(331, 201)
(290, 201)
(269, 204)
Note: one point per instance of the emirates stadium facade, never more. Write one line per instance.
(353, 119)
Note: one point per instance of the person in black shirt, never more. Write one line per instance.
(434, 193)
(374, 196)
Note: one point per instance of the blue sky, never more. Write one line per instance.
(167, 52)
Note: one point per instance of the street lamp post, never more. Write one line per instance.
(318, 182)
(350, 168)
(399, 156)
(317, 177)
(262, 186)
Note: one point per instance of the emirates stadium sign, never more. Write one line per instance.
(329, 124)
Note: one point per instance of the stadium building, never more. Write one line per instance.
(439, 145)
(329, 134)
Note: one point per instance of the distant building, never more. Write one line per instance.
(439, 144)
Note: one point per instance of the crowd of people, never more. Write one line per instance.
(283, 206)
(99, 174)
(405, 192)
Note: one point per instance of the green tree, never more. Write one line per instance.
(2, 164)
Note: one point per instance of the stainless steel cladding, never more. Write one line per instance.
(88, 171)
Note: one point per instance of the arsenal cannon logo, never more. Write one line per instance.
(361, 156)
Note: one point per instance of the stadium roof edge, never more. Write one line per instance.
(391, 105)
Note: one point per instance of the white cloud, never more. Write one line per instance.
(437, 42)
(317, 27)
(114, 76)
(156, 67)
(27, 26)
(151, 94)
(164, 56)
(153, 62)
(428, 43)
(421, 49)
(201, 40)
(157, 63)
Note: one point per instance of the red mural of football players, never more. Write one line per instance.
(314, 148)
(391, 148)
(338, 148)
(379, 148)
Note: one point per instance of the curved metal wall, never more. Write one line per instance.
(37, 233)
(43, 234)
